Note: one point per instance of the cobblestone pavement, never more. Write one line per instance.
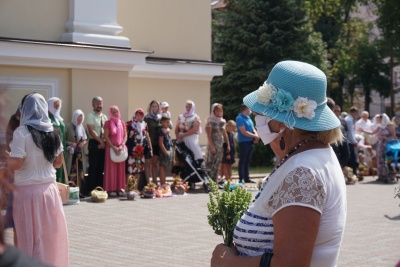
(175, 232)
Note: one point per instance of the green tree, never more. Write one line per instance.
(389, 24)
(371, 72)
(251, 37)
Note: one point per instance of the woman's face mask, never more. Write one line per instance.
(263, 130)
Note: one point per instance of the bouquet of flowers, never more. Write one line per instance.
(226, 208)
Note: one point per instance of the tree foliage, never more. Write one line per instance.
(251, 37)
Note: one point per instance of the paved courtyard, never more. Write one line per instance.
(175, 232)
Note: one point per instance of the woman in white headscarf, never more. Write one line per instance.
(76, 140)
(54, 105)
(187, 130)
(36, 149)
(384, 132)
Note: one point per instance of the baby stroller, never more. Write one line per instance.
(392, 153)
(189, 169)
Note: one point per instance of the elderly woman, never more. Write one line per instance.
(36, 149)
(216, 135)
(187, 130)
(115, 137)
(298, 217)
(76, 139)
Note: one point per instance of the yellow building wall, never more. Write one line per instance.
(12, 97)
(170, 28)
(142, 91)
(77, 87)
(37, 20)
(112, 86)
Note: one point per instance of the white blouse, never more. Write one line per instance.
(36, 169)
(310, 179)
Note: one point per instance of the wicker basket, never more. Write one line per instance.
(99, 195)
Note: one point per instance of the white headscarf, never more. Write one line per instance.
(80, 132)
(34, 113)
(53, 111)
(213, 117)
(384, 121)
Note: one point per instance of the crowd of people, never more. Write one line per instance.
(364, 148)
(42, 149)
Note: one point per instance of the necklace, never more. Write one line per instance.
(283, 160)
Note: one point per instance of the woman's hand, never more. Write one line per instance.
(73, 145)
(81, 144)
(223, 256)
(213, 151)
(228, 149)
(117, 151)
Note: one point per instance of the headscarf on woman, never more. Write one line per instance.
(80, 131)
(213, 118)
(384, 120)
(116, 126)
(53, 111)
(34, 113)
(153, 115)
(192, 110)
(138, 125)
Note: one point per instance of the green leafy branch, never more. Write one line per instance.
(226, 208)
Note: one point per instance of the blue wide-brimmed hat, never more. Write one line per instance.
(295, 94)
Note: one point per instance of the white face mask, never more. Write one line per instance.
(263, 130)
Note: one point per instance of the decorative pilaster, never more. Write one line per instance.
(94, 22)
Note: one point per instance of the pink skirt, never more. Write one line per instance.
(40, 223)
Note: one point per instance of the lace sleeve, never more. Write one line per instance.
(300, 187)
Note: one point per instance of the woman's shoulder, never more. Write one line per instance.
(23, 130)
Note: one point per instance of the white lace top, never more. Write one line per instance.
(311, 179)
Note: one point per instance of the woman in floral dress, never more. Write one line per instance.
(216, 135)
(384, 131)
(137, 143)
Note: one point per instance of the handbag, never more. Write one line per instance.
(99, 195)
(64, 192)
(121, 157)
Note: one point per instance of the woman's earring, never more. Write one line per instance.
(282, 144)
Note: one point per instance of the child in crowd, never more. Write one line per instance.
(228, 158)
(164, 141)
(164, 111)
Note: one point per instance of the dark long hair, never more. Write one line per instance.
(48, 142)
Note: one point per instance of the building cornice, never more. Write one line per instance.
(60, 55)
(177, 70)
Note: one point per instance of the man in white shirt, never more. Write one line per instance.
(364, 124)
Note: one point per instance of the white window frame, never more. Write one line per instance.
(51, 85)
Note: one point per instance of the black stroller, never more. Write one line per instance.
(189, 169)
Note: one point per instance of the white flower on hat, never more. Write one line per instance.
(303, 107)
(265, 93)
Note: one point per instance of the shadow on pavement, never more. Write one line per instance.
(395, 218)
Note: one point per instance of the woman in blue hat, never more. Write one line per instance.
(298, 217)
